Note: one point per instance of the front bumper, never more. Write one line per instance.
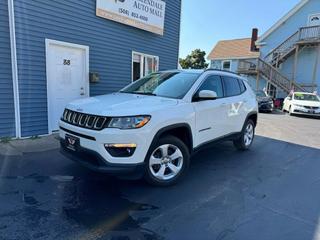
(305, 111)
(95, 141)
(266, 106)
(94, 161)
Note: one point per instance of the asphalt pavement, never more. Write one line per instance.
(269, 192)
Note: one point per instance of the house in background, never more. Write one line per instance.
(289, 53)
(238, 55)
(292, 47)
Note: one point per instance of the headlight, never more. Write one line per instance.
(129, 122)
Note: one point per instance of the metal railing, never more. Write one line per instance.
(311, 33)
(246, 66)
(283, 48)
(276, 77)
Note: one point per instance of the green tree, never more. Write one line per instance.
(195, 60)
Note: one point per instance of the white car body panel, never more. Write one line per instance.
(302, 107)
(223, 116)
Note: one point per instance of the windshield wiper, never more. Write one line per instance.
(140, 93)
(145, 93)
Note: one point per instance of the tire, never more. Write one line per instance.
(246, 138)
(290, 112)
(167, 169)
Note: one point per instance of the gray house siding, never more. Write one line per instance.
(7, 118)
(111, 45)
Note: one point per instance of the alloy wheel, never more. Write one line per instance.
(248, 134)
(166, 162)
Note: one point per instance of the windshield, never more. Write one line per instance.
(163, 84)
(261, 94)
(306, 97)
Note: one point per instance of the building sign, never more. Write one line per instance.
(144, 14)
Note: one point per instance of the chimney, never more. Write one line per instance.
(254, 38)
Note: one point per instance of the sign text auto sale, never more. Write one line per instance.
(144, 14)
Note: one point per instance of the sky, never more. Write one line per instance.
(205, 22)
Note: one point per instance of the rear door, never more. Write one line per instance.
(210, 114)
(234, 91)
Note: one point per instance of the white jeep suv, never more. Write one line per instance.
(153, 126)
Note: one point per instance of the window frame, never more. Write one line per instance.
(243, 84)
(223, 85)
(142, 62)
(223, 81)
(225, 61)
(204, 80)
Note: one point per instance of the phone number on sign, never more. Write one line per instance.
(133, 14)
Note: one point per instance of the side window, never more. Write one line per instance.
(242, 86)
(226, 65)
(213, 83)
(231, 86)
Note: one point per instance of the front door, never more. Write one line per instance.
(211, 114)
(67, 76)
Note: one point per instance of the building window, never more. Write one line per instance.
(143, 64)
(226, 65)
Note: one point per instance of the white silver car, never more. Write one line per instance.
(155, 124)
(302, 103)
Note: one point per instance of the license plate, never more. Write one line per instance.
(72, 142)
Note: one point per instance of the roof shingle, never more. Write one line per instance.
(233, 49)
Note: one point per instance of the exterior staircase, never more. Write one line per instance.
(303, 37)
(270, 73)
(268, 67)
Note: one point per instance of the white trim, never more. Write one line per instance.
(179, 47)
(14, 68)
(225, 61)
(142, 62)
(49, 42)
(282, 20)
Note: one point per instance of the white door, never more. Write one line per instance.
(211, 114)
(314, 20)
(67, 77)
(235, 104)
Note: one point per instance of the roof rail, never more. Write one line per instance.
(220, 70)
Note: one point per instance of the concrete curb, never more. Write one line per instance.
(19, 147)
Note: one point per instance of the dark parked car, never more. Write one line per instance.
(265, 102)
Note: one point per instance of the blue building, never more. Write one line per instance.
(289, 53)
(52, 52)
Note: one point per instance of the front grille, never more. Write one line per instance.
(84, 120)
(312, 108)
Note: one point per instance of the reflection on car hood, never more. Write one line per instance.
(121, 104)
(306, 103)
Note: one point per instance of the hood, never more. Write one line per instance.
(306, 103)
(121, 104)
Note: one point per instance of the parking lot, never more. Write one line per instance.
(269, 192)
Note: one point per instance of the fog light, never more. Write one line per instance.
(121, 150)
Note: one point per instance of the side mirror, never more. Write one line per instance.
(205, 95)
